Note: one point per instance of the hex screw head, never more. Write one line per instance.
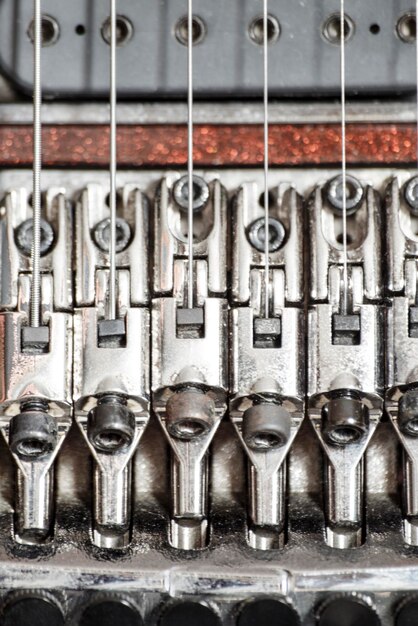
(24, 237)
(354, 194)
(345, 420)
(101, 235)
(190, 414)
(33, 432)
(411, 194)
(201, 193)
(408, 413)
(111, 424)
(266, 426)
(257, 234)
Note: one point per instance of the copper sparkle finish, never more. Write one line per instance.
(241, 145)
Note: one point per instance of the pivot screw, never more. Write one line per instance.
(411, 194)
(24, 237)
(257, 234)
(354, 193)
(101, 234)
(200, 193)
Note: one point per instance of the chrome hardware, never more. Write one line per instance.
(36, 363)
(111, 373)
(190, 350)
(345, 360)
(402, 340)
(267, 354)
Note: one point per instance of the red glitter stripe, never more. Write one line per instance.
(234, 145)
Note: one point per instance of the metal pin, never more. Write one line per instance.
(113, 165)
(190, 148)
(37, 166)
(344, 159)
(266, 159)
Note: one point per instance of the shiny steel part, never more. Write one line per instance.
(267, 356)
(111, 374)
(189, 353)
(170, 240)
(402, 341)
(345, 356)
(92, 210)
(201, 193)
(36, 374)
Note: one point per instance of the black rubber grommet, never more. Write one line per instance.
(110, 613)
(347, 612)
(31, 611)
(189, 614)
(407, 614)
(267, 612)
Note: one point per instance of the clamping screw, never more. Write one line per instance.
(111, 425)
(190, 414)
(33, 432)
(408, 413)
(266, 426)
(345, 420)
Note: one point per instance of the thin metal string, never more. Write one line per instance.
(37, 167)
(266, 160)
(190, 150)
(113, 164)
(416, 53)
(344, 160)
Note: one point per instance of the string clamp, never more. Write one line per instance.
(36, 384)
(112, 356)
(190, 347)
(266, 380)
(345, 347)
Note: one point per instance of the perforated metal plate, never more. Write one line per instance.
(227, 62)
